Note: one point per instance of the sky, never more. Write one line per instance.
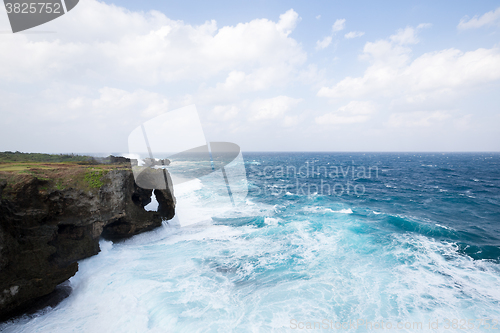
(267, 75)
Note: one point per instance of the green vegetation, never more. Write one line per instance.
(94, 177)
(56, 172)
(21, 167)
(59, 185)
(17, 156)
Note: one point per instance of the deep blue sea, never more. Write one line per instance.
(351, 242)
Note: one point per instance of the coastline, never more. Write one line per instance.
(53, 214)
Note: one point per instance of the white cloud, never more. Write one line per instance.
(101, 41)
(417, 119)
(63, 117)
(405, 36)
(226, 112)
(120, 102)
(291, 121)
(408, 35)
(110, 104)
(489, 18)
(357, 108)
(338, 25)
(392, 73)
(240, 82)
(354, 112)
(311, 75)
(321, 44)
(318, 17)
(107, 69)
(464, 122)
(272, 108)
(424, 25)
(288, 21)
(101, 48)
(354, 34)
(29, 61)
(233, 79)
(335, 119)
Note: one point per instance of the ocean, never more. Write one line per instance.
(351, 242)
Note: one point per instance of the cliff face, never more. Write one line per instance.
(43, 233)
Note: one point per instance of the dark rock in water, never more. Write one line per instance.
(43, 233)
(118, 159)
(166, 203)
(45, 302)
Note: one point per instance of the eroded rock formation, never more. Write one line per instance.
(43, 233)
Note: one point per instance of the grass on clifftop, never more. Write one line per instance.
(94, 177)
(55, 176)
(8, 156)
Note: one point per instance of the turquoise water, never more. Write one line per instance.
(411, 245)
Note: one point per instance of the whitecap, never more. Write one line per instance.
(271, 221)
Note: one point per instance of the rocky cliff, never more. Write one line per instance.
(44, 230)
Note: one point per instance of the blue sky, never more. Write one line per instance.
(267, 75)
